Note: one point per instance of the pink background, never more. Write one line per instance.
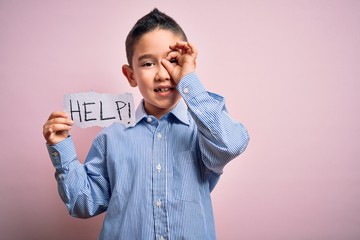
(289, 71)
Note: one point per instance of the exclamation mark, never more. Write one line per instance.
(129, 112)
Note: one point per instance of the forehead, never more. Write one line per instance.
(156, 42)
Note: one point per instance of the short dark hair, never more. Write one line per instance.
(151, 21)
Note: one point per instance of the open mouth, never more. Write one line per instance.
(163, 90)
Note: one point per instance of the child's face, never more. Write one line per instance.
(155, 84)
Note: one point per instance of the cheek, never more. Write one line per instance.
(144, 75)
(145, 85)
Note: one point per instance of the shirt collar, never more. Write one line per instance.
(179, 111)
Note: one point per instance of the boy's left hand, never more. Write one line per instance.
(181, 61)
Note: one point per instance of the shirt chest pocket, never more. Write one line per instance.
(187, 178)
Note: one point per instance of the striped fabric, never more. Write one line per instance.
(154, 179)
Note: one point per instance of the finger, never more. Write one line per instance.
(54, 133)
(183, 46)
(58, 114)
(172, 55)
(54, 128)
(47, 131)
(49, 134)
(59, 120)
(54, 138)
(167, 65)
(192, 47)
(179, 44)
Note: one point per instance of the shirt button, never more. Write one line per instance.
(185, 90)
(55, 154)
(158, 203)
(162, 238)
(61, 177)
(149, 119)
(158, 167)
(159, 135)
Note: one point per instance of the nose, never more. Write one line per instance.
(162, 74)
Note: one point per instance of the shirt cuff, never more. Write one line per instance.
(190, 86)
(62, 153)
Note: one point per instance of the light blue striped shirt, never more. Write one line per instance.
(154, 179)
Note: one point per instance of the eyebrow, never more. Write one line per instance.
(148, 55)
(145, 56)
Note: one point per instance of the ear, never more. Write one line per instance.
(129, 74)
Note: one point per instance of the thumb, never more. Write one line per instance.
(49, 135)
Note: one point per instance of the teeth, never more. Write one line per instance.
(162, 89)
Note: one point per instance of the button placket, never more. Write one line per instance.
(159, 178)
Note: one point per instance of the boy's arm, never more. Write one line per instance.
(221, 139)
(82, 187)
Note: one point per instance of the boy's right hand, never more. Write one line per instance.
(57, 127)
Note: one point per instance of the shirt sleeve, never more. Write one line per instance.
(84, 188)
(221, 139)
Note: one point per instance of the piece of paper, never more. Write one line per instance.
(100, 109)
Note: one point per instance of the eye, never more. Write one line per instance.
(173, 61)
(148, 64)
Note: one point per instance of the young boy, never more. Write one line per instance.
(154, 179)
